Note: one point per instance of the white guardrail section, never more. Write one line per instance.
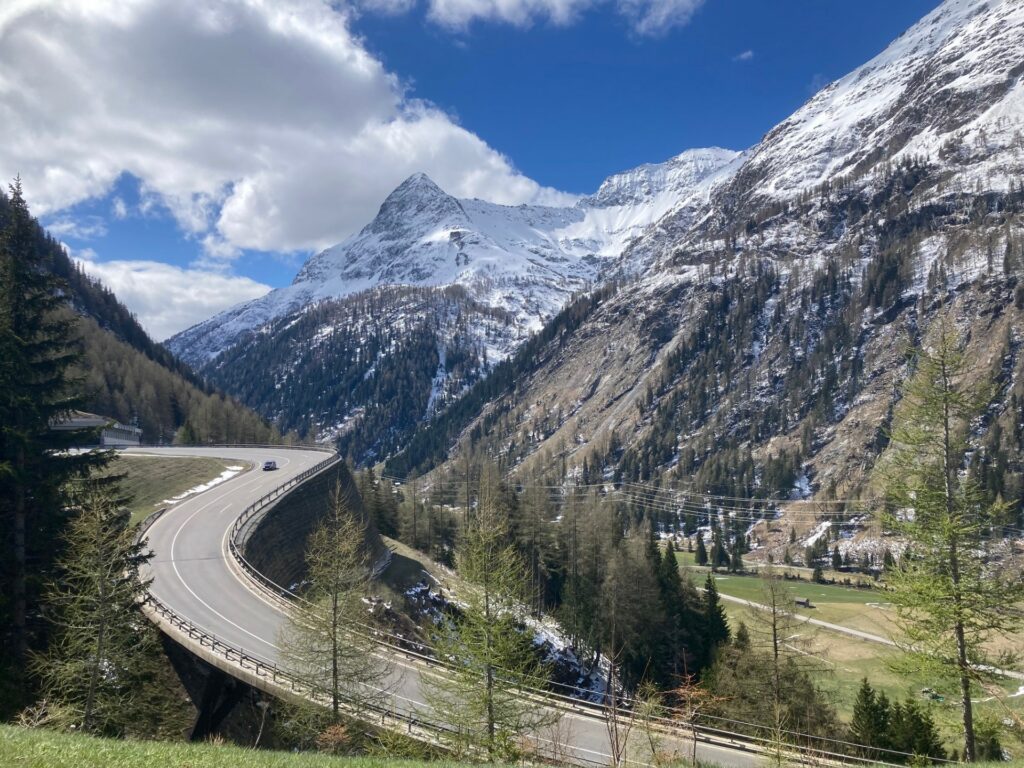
(266, 675)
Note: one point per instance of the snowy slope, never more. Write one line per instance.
(524, 259)
(948, 90)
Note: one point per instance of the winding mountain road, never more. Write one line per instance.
(194, 577)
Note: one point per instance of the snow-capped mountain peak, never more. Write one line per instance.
(526, 260)
(680, 175)
(952, 78)
(418, 196)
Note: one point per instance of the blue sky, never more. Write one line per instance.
(572, 104)
(192, 158)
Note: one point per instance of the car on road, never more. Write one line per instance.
(269, 466)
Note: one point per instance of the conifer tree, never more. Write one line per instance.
(701, 556)
(102, 673)
(37, 350)
(716, 625)
(951, 597)
(491, 659)
(326, 640)
(870, 724)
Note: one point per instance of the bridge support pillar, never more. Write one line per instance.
(220, 695)
(216, 696)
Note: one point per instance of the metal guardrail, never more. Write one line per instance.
(281, 678)
(261, 667)
(261, 503)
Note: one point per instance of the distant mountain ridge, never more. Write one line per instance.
(524, 259)
(750, 309)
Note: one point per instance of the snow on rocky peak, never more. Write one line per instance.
(948, 89)
(524, 259)
(677, 178)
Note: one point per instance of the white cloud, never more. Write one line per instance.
(168, 299)
(259, 124)
(657, 17)
(119, 208)
(77, 228)
(647, 17)
(746, 55)
(387, 7)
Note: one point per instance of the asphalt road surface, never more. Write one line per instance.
(192, 577)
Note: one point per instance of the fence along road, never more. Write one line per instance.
(202, 599)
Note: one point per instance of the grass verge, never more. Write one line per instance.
(36, 748)
(150, 480)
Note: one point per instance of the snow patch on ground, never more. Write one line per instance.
(224, 476)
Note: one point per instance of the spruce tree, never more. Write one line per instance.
(701, 557)
(912, 731)
(37, 350)
(103, 672)
(870, 724)
(716, 626)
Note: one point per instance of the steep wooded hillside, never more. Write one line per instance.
(763, 352)
(131, 378)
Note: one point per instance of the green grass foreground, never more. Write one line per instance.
(37, 748)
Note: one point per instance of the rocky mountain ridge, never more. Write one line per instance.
(762, 352)
(524, 260)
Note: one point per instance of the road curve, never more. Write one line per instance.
(193, 577)
(189, 569)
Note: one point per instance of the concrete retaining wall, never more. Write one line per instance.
(277, 546)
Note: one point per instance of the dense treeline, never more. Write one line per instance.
(127, 376)
(120, 382)
(429, 445)
(91, 298)
(591, 560)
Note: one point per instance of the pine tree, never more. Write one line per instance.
(716, 626)
(736, 560)
(326, 640)
(492, 659)
(870, 724)
(102, 673)
(701, 557)
(950, 598)
(912, 731)
(37, 350)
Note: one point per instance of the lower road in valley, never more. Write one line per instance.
(193, 576)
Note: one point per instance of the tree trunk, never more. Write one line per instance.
(335, 697)
(18, 589)
(94, 673)
(954, 572)
(489, 673)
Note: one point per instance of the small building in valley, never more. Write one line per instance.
(111, 433)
